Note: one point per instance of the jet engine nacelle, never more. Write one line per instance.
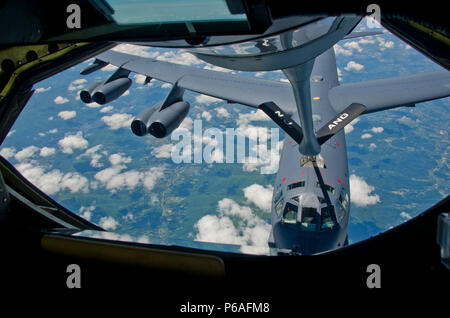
(160, 122)
(108, 92)
(140, 123)
(86, 93)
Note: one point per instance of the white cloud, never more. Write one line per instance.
(25, 153)
(264, 158)
(217, 230)
(207, 115)
(349, 128)
(109, 68)
(119, 158)
(139, 78)
(93, 105)
(60, 100)
(206, 100)
(47, 151)
(366, 136)
(353, 45)
(216, 68)
(136, 50)
(372, 146)
(114, 179)
(406, 121)
(377, 130)
(128, 217)
(95, 157)
(235, 224)
(106, 109)
(117, 121)
(339, 50)
(361, 192)
(405, 215)
(108, 177)
(163, 151)
(259, 195)
(353, 66)
(108, 223)
(77, 84)
(53, 181)
(42, 89)
(53, 131)
(151, 177)
(86, 212)
(74, 182)
(70, 142)
(186, 124)
(366, 40)
(222, 112)
(67, 114)
(179, 58)
(8, 152)
(385, 44)
(246, 118)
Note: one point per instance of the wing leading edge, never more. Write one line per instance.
(375, 95)
(233, 88)
(392, 92)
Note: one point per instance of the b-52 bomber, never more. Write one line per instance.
(311, 200)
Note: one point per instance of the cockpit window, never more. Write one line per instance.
(342, 205)
(294, 185)
(309, 219)
(279, 206)
(326, 219)
(290, 213)
(343, 198)
(328, 187)
(278, 194)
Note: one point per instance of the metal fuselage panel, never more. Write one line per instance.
(335, 172)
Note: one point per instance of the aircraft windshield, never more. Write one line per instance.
(309, 219)
(290, 213)
(165, 11)
(326, 219)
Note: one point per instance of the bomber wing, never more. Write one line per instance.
(233, 88)
(392, 92)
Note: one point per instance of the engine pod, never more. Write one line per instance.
(163, 122)
(110, 91)
(140, 123)
(86, 93)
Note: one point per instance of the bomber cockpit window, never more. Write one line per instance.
(344, 199)
(326, 219)
(340, 211)
(327, 187)
(290, 213)
(278, 194)
(279, 206)
(294, 185)
(309, 219)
